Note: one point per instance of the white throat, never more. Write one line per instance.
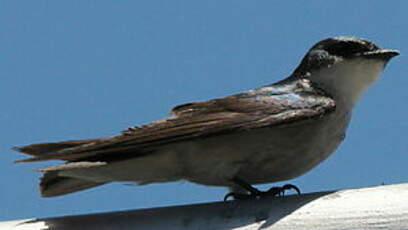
(347, 79)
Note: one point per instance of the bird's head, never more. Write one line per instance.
(344, 66)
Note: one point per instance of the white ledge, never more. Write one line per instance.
(381, 207)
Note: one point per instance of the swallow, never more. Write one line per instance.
(269, 134)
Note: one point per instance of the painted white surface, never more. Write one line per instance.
(26, 224)
(382, 207)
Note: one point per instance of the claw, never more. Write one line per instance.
(254, 193)
(280, 191)
(289, 187)
(228, 195)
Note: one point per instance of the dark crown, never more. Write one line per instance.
(345, 46)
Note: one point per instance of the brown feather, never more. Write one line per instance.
(193, 120)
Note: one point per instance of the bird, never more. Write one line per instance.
(264, 135)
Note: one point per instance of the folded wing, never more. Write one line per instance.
(242, 112)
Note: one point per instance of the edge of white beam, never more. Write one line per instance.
(381, 207)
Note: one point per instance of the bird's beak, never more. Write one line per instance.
(383, 54)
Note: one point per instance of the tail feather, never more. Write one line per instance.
(44, 151)
(52, 184)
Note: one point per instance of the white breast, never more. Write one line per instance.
(347, 79)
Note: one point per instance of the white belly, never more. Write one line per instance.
(258, 156)
(266, 155)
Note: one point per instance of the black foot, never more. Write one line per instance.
(280, 191)
(256, 194)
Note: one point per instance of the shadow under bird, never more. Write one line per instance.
(268, 134)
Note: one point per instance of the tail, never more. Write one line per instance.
(52, 184)
(50, 151)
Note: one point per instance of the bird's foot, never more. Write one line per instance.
(274, 191)
(280, 191)
(254, 193)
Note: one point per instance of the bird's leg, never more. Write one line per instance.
(254, 193)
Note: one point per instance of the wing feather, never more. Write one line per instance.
(240, 112)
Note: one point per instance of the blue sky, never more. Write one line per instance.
(82, 69)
